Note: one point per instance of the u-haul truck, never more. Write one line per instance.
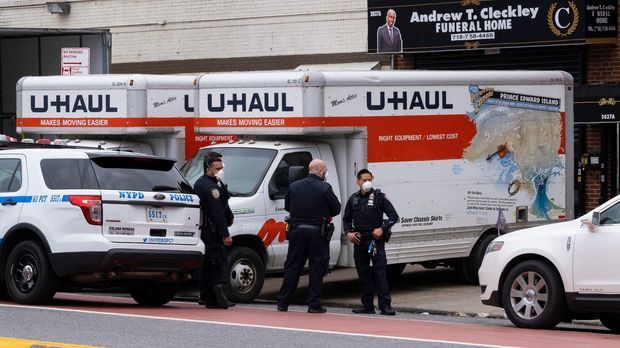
(452, 150)
(152, 114)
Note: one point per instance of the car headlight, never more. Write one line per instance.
(494, 246)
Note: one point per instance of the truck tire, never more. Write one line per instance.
(154, 294)
(533, 295)
(29, 277)
(611, 321)
(394, 271)
(246, 275)
(468, 269)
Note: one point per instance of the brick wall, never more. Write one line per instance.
(603, 62)
(152, 31)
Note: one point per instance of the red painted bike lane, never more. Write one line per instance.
(378, 326)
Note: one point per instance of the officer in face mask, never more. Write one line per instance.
(230, 218)
(364, 226)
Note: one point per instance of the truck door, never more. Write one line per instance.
(596, 260)
(278, 186)
(12, 191)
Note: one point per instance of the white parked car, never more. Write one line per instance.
(552, 273)
(75, 218)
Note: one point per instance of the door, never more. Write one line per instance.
(275, 213)
(596, 260)
(12, 191)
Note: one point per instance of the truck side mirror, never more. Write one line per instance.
(295, 173)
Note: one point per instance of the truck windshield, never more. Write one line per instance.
(244, 168)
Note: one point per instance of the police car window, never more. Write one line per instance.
(279, 181)
(10, 175)
(68, 173)
(611, 215)
(138, 174)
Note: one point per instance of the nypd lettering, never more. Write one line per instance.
(130, 195)
(72, 103)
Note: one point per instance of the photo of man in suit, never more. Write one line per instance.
(388, 36)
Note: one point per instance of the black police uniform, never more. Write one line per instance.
(213, 231)
(363, 213)
(225, 197)
(309, 201)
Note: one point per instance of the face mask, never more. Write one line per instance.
(220, 174)
(325, 176)
(367, 186)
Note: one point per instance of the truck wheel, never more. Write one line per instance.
(468, 269)
(246, 274)
(533, 295)
(154, 294)
(394, 271)
(611, 321)
(29, 277)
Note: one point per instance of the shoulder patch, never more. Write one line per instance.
(215, 193)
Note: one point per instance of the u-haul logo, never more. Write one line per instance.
(91, 103)
(408, 100)
(249, 102)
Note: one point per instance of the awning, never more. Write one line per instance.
(597, 103)
(340, 66)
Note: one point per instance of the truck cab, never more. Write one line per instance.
(257, 175)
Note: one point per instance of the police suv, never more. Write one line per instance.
(79, 218)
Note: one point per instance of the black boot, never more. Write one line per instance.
(221, 298)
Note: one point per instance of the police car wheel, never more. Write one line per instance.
(246, 274)
(29, 277)
(4, 294)
(154, 294)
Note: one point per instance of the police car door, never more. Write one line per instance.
(274, 202)
(12, 190)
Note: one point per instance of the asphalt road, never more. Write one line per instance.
(119, 322)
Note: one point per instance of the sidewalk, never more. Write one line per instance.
(417, 290)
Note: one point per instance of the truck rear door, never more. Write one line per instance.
(146, 200)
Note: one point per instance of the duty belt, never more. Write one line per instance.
(308, 226)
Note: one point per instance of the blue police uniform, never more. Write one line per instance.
(363, 213)
(213, 231)
(308, 201)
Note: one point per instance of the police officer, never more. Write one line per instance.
(310, 202)
(364, 226)
(223, 188)
(214, 233)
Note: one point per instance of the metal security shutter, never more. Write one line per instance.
(566, 58)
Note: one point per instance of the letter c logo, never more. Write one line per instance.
(557, 17)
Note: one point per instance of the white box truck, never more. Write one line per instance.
(450, 149)
(152, 114)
